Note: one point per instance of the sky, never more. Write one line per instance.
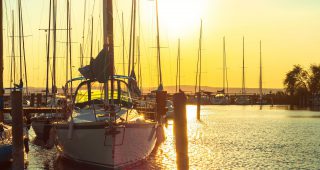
(288, 29)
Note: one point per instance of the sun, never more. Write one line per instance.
(180, 16)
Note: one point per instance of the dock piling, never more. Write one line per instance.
(161, 97)
(198, 105)
(180, 130)
(32, 97)
(17, 130)
(39, 99)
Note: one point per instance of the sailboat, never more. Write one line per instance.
(221, 98)
(43, 122)
(243, 99)
(104, 128)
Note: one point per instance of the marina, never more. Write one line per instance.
(96, 85)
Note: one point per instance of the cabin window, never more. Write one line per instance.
(94, 93)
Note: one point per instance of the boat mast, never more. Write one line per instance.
(158, 48)
(54, 87)
(260, 80)
(200, 57)
(83, 29)
(69, 40)
(48, 51)
(13, 57)
(133, 35)
(24, 52)
(1, 66)
(20, 41)
(224, 65)
(139, 50)
(123, 46)
(67, 43)
(243, 74)
(198, 73)
(108, 43)
(178, 68)
(91, 48)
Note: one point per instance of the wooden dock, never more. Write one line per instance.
(28, 110)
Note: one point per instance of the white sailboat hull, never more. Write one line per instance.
(93, 144)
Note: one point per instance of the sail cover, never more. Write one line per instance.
(133, 86)
(99, 69)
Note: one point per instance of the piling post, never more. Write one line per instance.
(32, 97)
(161, 97)
(1, 64)
(198, 105)
(17, 130)
(39, 99)
(180, 130)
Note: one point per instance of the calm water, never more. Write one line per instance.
(228, 137)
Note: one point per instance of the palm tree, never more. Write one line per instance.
(296, 81)
(314, 79)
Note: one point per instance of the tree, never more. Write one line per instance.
(314, 79)
(296, 81)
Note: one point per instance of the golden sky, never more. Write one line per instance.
(288, 29)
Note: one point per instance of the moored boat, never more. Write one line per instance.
(106, 135)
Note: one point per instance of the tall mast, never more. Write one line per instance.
(243, 74)
(67, 43)
(20, 41)
(123, 46)
(54, 46)
(1, 65)
(200, 57)
(108, 41)
(178, 68)
(158, 47)
(48, 51)
(13, 63)
(224, 65)
(260, 80)
(139, 49)
(91, 49)
(69, 39)
(24, 52)
(134, 34)
(198, 73)
(83, 29)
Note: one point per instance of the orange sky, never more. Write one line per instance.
(289, 30)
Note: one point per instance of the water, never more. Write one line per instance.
(228, 137)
